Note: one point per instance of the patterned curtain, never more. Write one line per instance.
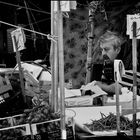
(76, 29)
(75, 46)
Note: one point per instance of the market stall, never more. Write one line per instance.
(63, 101)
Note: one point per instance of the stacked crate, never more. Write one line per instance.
(14, 127)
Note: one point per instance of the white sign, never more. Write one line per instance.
(18, 39)
(119, 70)
(65, 5)
(130, 20)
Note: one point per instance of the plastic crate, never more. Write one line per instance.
(51, 130)
(37, 131)
(18, 119)
(6, 122)
(15, 132)
(43, 136)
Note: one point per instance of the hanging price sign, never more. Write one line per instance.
(65, 5)
(130, 20)
(18, 39)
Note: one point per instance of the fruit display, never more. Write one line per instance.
(35, 115)
(35, 122)
(51, 129)
(12, 133)
(39, 120)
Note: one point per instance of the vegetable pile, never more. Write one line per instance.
(110, 123)
(37, 114)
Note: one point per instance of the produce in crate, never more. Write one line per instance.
(18, 125)
(5, 122)
(36, 114)
(51, 129)
(12, 133)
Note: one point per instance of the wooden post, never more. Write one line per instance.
(117, 105)
(54, 61)
(90, 43)
(20, 68)
(61, 71)
(117, 79)
(56, 58)
(134, 52)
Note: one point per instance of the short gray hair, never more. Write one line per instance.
(113, 37)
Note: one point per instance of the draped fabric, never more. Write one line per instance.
(76, 29)
(75, 46)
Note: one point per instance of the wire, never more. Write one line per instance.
(82, 4)
(39, 21)
(35, 5)
(33, 63)
(39, 11)
(14, 5)
(50, 37)
(30, 23)
(34, 22)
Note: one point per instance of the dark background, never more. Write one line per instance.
(35, 14)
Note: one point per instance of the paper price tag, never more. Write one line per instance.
(34, 129)
(130, 20)
(65, 5)
(18, 39)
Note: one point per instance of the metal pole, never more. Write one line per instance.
(134, 51)
(52, 56)
(61, 71)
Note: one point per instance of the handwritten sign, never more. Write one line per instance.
(18, 39)
(130, 20)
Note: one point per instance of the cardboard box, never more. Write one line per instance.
(79, 101)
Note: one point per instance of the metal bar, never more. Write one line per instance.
(134, 55)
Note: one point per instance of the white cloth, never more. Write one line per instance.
(119, 70)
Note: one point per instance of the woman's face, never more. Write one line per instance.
(108, 51)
